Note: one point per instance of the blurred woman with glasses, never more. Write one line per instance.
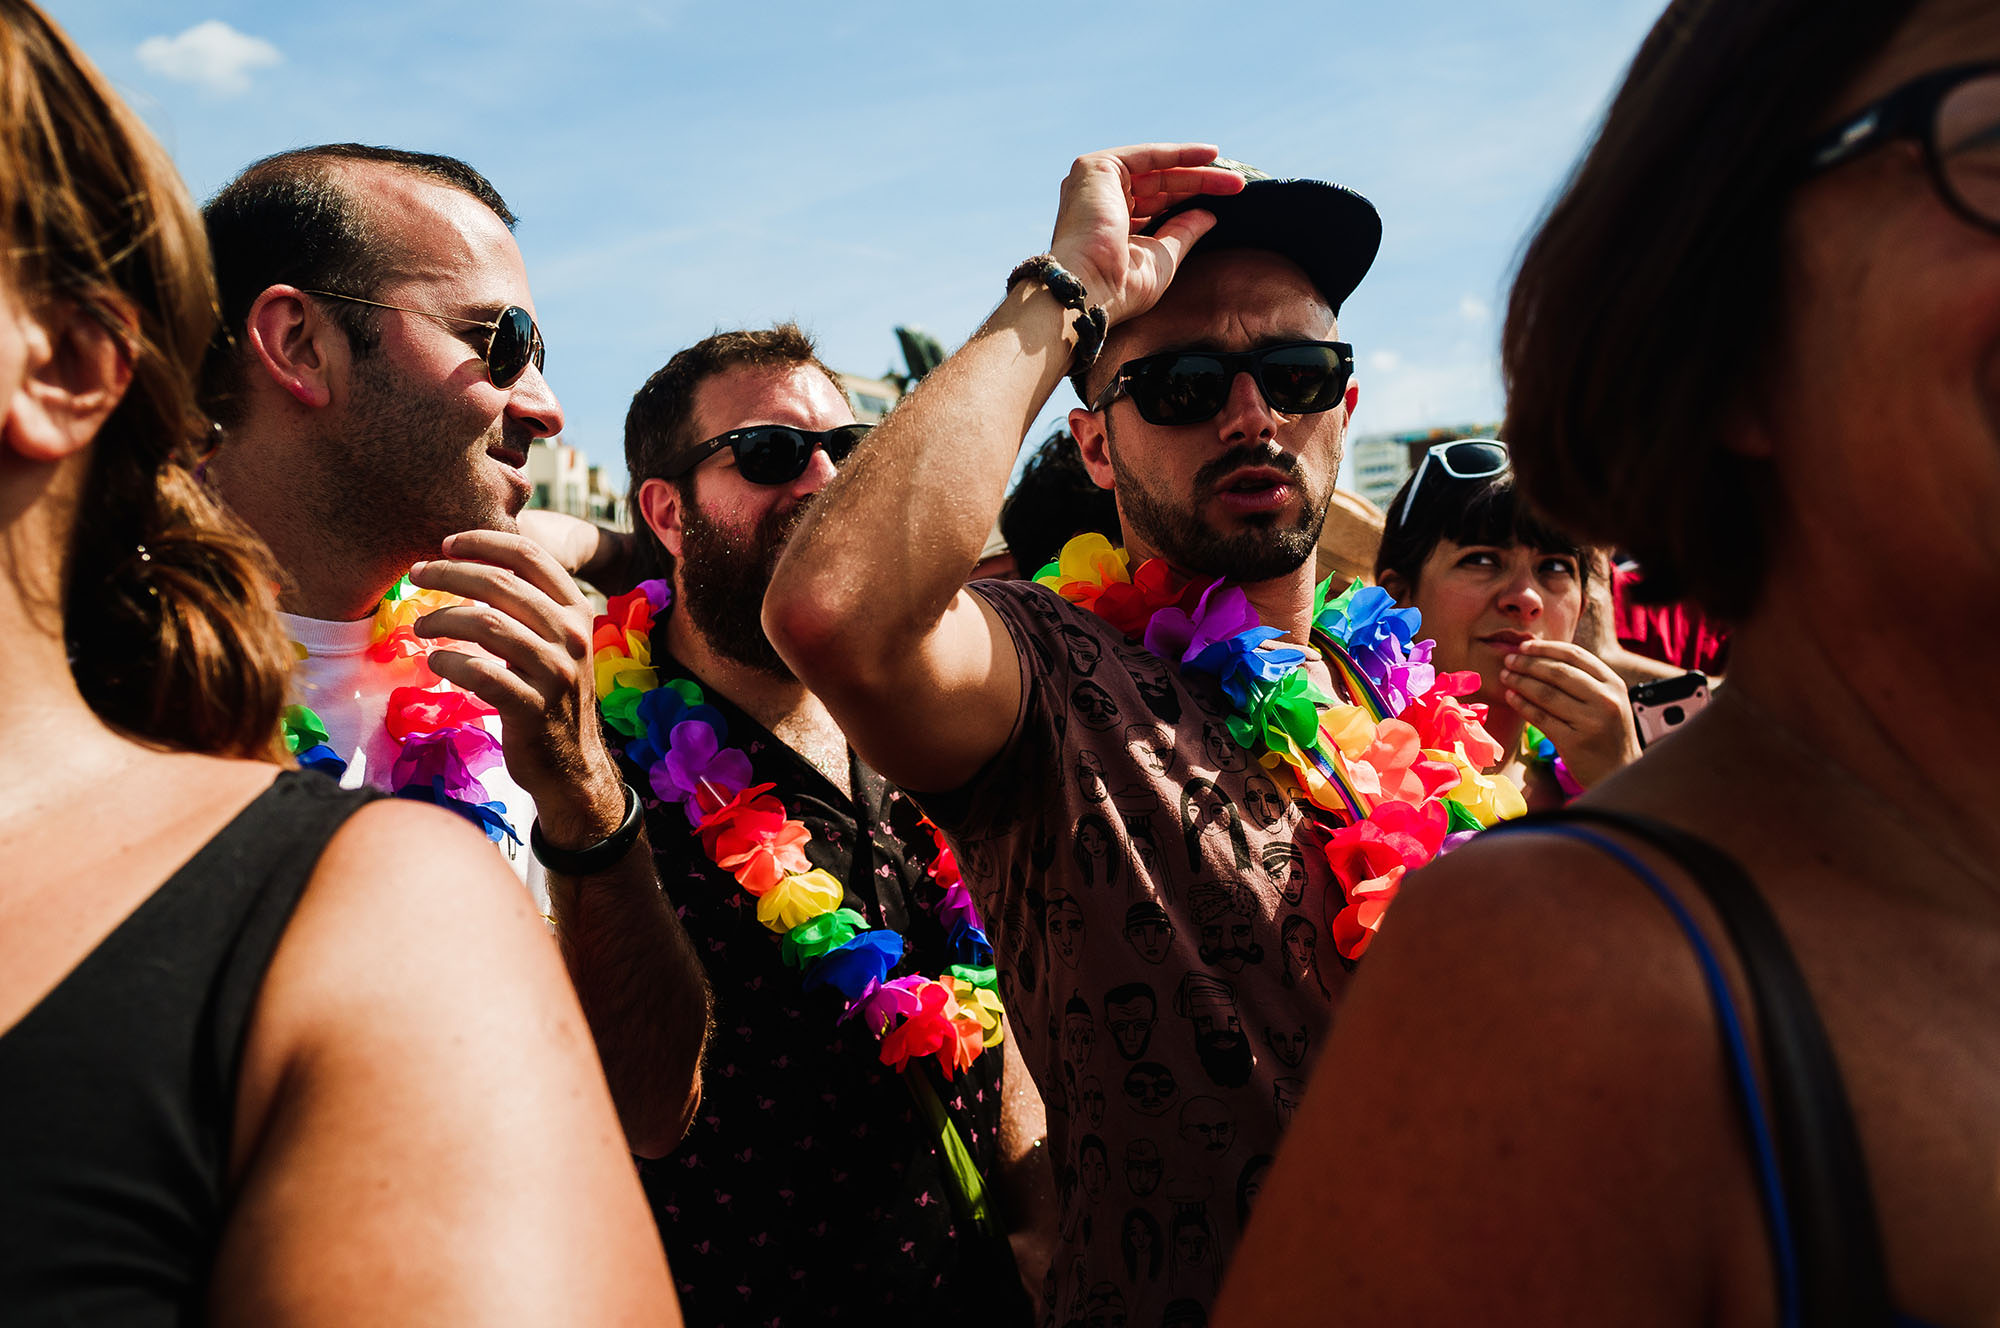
(270, 1052)
(1501, 594)
(1721, 1044)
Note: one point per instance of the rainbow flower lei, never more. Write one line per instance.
(681, 744)
(1401, 763)
(442, 744)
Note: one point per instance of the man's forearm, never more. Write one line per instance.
(890, 539)
(643, 991)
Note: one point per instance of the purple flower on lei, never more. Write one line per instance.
(695, 754)
(1223, 637)
(659, 594)
(1407, 677)
(449, 759)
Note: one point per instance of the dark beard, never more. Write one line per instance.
(1187, 542)
(723, 576)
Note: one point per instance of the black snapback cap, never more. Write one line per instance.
(1327, 229)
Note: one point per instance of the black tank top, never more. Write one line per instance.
(117, 1091)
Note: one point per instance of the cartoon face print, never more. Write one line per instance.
(1222, 914)
(1079, 1032)
(1150, 1088)
(1139, 829)
(1065, 928)
(1288, 1044)
(1149, 675)
(1193, 1246)
(1301, 941)
(1249, 1185)
(1221, 749)
(1209, 825)
(1210, 1006)
(1286, 1094)
(1096, 850)
(1082, 649)
(1091, 785)
(1104, 1307)
(1262, 802)
(1152, 747)
(1094, 707)
(1143, 1167)
(1093, 1167)
(1045, 658)
(1206, 1124)
(1130, 1012)
(1090, 1096)
(1149, 931)
(1139, 1240)
(1285, 867)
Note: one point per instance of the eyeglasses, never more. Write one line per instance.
(1462, 459)
(512, 344)
(1955, 114)
(775, 453)
(1192, 386)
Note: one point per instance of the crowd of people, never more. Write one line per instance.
(893, 898)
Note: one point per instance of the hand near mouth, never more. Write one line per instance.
(1573, 697)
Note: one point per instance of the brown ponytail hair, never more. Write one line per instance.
(169, 604)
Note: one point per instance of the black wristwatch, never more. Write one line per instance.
(605, 853)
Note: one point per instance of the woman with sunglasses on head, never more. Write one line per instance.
(1721, 1043)
(1502, 593)
(270, 1052)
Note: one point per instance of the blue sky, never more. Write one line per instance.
(680, 167)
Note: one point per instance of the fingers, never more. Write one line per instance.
(1178, 236)
(513, 594)
(1551, 683)
(492, 682)
(1159, 190)
(1141, 158)
(519, 555)
(1576, 656)
(535, 659)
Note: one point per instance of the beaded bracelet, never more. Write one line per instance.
(1070, 294)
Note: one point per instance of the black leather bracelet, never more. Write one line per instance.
(1070, 294)
(605, 853)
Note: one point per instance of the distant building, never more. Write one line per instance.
(872, 398)
(1383, 461)
(563, 480)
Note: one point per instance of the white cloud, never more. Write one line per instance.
(1474, 310)
(1384, 362)
(212, 55)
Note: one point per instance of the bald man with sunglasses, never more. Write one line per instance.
(377, 388)
(1215, 414)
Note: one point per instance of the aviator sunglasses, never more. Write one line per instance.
(1462, 459)
(775, 453)
(1192, 386)
(513, 342)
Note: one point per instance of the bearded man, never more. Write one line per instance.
(1215, 413)
(817, 1183)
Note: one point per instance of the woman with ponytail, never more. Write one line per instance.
(270, 1051)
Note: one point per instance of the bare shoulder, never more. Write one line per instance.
(425, 1134)
(1526, 1049)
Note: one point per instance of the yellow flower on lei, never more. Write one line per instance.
(798, 899)
(1489, 798)
(982, 1005)
(1089, 560)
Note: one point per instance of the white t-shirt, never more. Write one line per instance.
(350, 694)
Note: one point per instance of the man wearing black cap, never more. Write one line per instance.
(1215, 412)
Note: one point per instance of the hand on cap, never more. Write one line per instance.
(1110, 197)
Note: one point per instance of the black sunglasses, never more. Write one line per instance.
(1192, 386)
(775, 453)
(1955, 114)
(513, 341)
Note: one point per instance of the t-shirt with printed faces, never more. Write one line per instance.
(349, 691)
(1160, 906)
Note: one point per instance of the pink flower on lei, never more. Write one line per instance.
(1370, 859)
(1395, 768)
(1444, 723)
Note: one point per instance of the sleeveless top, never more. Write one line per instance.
(117, 1091)
(1812, 1178)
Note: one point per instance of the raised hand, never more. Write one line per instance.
(1110, 196)
(1574, 697)
(534, 625)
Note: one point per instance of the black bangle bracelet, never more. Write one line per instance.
(1070, 294)
(605, 853)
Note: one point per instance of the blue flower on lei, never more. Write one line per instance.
(1366, 620)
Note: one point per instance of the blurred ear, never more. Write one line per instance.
(1392, 581)
(74, 373)
(295, 344)
(660, 509)
(1094, 442)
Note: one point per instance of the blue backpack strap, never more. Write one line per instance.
(1826, 1244)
